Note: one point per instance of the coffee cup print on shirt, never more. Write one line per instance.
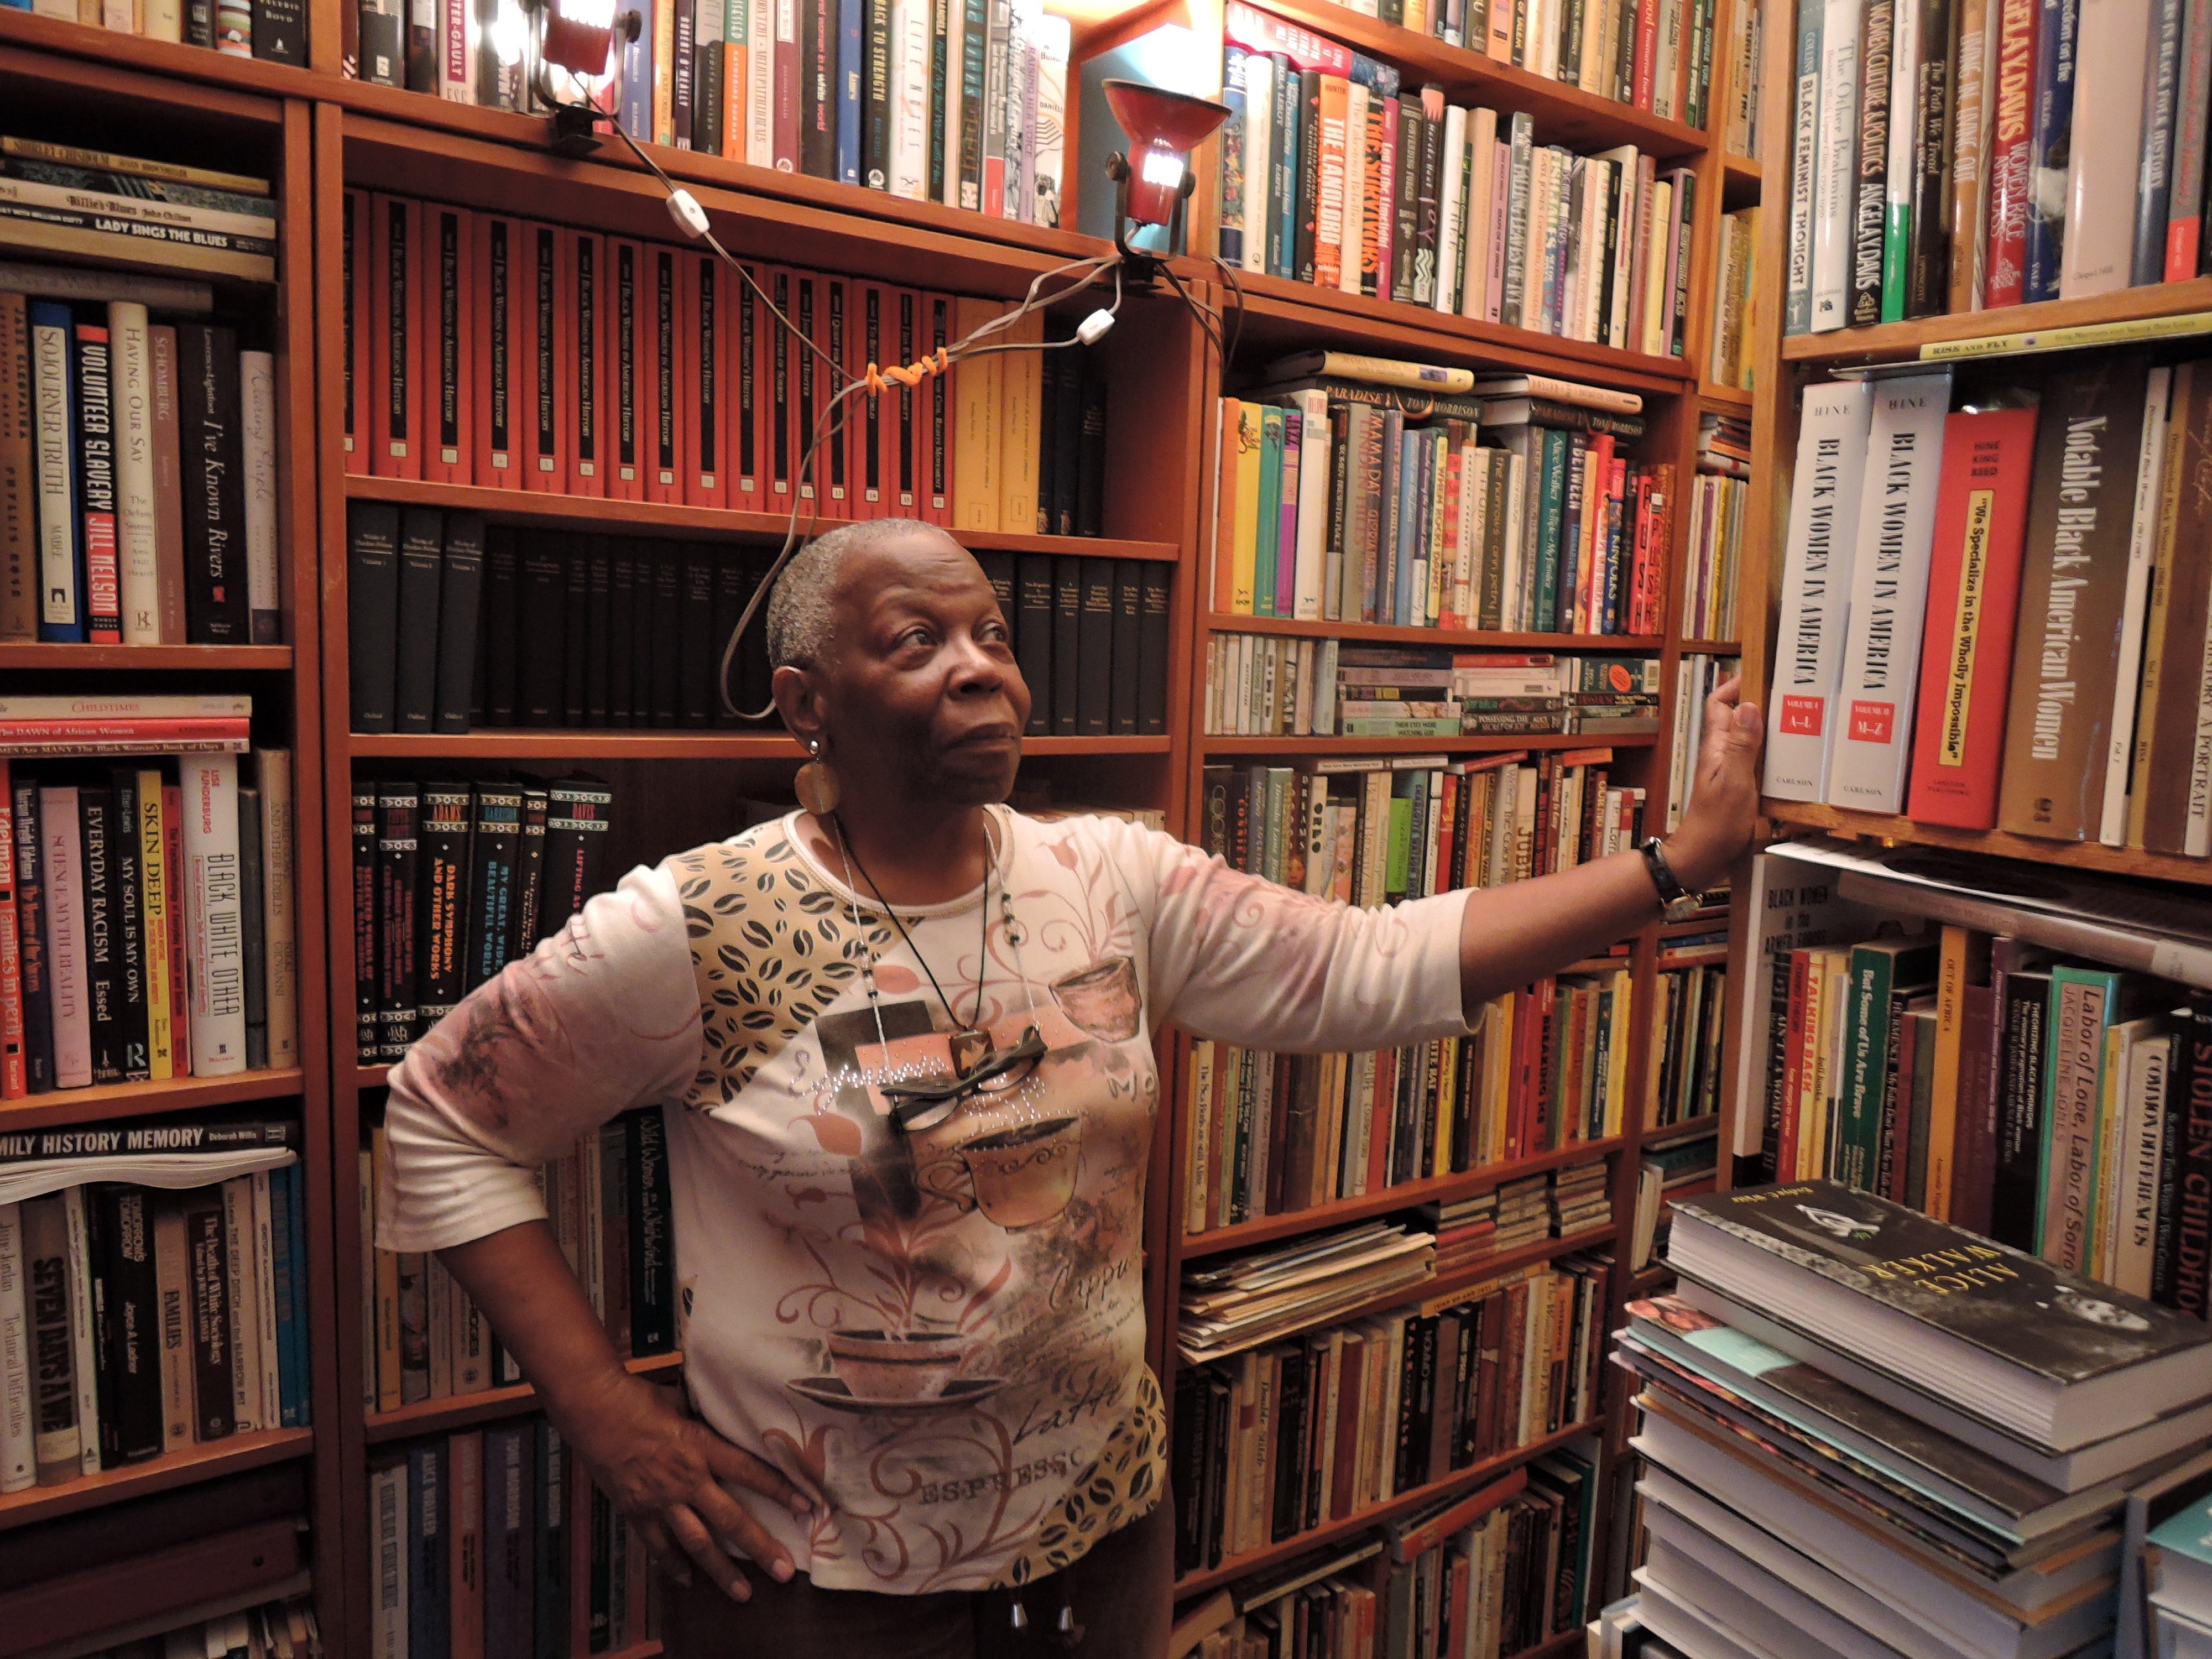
(1103, 998)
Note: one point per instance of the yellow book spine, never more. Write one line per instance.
(1020, 390)
(1247, 507)
(664, 75)
(154, 886)
(1943, 1090)
(975, 424)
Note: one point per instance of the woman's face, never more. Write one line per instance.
(922, 683)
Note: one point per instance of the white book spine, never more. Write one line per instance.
(69, 977)
(1451, 234)
(83, 1349)
(1832, 183)
(388, 1617)
(1654, 344)
(1816, 587)
(2103, 165)
(2142, 1144)
(760, 16)
(1352, 235)
(909, 98)
(1053, 43)
(135, 534)
(1874, 701)
(955, 46)
(244, 1305)
(1259, 138)
(256, 395)
(1313, 503)
(2143, 553)
(214, 942)
(279, 924)
(1467, 534)
(51, 418)
(19, 1459)
(1668, 70)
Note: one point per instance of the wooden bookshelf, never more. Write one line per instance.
(148, 659)
(1997, 843)
(464, 1411)
(183, 1094)
(1893, 342)
(1470, 744)
(1441, 638)
(172, 1469)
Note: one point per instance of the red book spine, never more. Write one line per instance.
(670, 415)
(95, 436)
(395, 303)
(184, 728)
(2006, 260)
(877, 336)
(1381, 1119)
(1973, 590)
(786, 90)
(585, 319)
(628, 338)
(781, 360)
(450, 362)
(173, 852)
(836, 466)
(495, 356)
(704, 361)
(748, 400)
(353, 280)
(1647, 44)
(938, 393)
(906, 407)
(1793, 1066)
(809, 309)
(541, 409)
(14, 1079)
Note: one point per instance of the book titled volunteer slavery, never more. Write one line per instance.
(1988, 1330)
(1816, 587)
(1889, 592)
(2073, 593)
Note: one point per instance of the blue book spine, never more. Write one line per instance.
(1424, 509)
(2050, 148)
(1283, 191)
(1267, 530)
(280, 1271)
(1412, 451)
(1233, 159)
(1571, 537)
(53, 418)
(302, 1367)
(1286, 518)
(849, 91)
(549, 1580)
(429, 1628)
(635, 72)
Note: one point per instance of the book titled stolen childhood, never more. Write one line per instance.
(2030, 1349)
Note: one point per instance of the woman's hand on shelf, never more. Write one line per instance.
(1717, 822)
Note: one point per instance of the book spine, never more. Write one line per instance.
(2053, 118)
(2012, 147)
(60, 614)
(214, 924)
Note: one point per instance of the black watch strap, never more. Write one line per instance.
(1670, 887)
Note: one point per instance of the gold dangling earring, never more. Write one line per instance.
(816, 785)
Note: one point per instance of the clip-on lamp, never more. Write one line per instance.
(579, 37)
(1152, 184)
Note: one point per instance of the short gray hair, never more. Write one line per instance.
(799, 609)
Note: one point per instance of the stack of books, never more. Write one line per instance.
(1580, 1198)
(1265, 686)
(95, 204)
(1954, 155)
(1697, 677)
(1865, 1427)
(1465, 1229)
(1330, 175)
(1355, 489)
(2178, 1574)
(1685, 1080)
(1256, 1297)
(152, 1278)
(1524, 1212)
(1735, 280)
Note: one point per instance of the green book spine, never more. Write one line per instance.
(2083, 1001)
(1278, 818)
(1552, 524)
(1402, 844)
(1267, 532)
(1866, 1055)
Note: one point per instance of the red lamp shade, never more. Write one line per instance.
(1164, 128)
(579, 35)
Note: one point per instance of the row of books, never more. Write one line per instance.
(668, 377)
(275, 1630)
(1090, 638)
(1698, 675)
(1684, 1081)
(1331, 176)
(1340, 500)
(495, 1541)
(608, 1201)
(1490, 1574)
(1682, 1169)
(452, 880)
(1713, 555)
(99, 204)
(153, 1291)
(1954, 155)
(1543, 1068)
(2056, 692)
(1266, 685)
(1735, 282)
(148, 928)
(1866, 1430)
(138, 477)
(1281, 1439)
(1373, 830)
(2044, 1102)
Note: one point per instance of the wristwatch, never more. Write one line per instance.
(1676, 902)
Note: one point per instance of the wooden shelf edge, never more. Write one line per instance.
(1996, 843)
(136, 1099)
(461, 1411)
(530, 507)
(1240, 1567)
(1438, 1190)
(227, 658)
(1218, 745)
(241, 87)
(600, 743)
(1887, 341)
(1394, 633)
(1711, 648)
(240, 1452)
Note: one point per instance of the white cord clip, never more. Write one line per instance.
(1093, 328)
(690, 218)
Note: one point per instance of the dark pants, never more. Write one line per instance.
(1120, 1593)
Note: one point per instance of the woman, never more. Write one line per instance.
(907, 1144)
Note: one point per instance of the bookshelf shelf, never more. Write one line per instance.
(220, 1457)
(1742, 169)
(1647, 1281)
(78, 55)
(1564, 114)
(202, 659)
(370, 1077)
(1712, 648)
(1888, 341)
(1478, 745)
(465, 1411)
(1688, 1128)
(1390, 634)
(183, 1094)
(601, 744)
(1732, 399)
(1439, 1190)
(525, 506)
(2081, 855)
(1405, 1502)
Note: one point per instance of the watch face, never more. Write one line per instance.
(1683, 909)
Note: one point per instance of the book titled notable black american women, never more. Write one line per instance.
(2039, 1353)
